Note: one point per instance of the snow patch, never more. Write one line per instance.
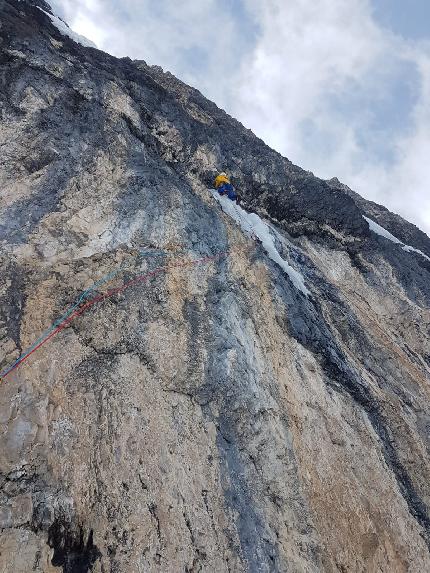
(66, 31)
(384, 233)
(254, 226)
(408, 249)
(381, 231)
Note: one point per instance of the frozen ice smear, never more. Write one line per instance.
(66, 31)
(384, 233)
(253, 225)
(409, 249)
(381, 231)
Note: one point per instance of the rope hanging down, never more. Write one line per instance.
(75, 305)
(76, 310)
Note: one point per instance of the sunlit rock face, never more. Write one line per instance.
(196, 410)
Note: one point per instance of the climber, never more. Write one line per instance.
(223, 186)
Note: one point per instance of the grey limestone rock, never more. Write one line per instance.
(210, 416)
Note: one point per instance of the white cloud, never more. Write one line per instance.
(305, 49)
(315, 82)
(168, 33)
(310, 50)
(83, 17)
(404, 186)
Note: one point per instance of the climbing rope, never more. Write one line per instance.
(76, 310)
(85, 294)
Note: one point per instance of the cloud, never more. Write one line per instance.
(195, 40)
(341, 96)
(83, 17)
(405, 185)
(321, 81)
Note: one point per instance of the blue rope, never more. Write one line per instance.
(80, 299)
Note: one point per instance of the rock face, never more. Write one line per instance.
(206, 415)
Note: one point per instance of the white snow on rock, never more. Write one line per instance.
(408, 248)
(66, 31)
(384, 233)
(381, 231)
(253, 225)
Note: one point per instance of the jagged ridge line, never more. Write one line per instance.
(57, 327)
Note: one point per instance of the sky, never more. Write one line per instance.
(340, 87)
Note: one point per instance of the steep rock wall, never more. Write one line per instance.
(209, 417)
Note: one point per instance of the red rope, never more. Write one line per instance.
(108, 294)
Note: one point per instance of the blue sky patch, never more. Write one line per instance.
(195, 59)
(381, 107)
(408, 18)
